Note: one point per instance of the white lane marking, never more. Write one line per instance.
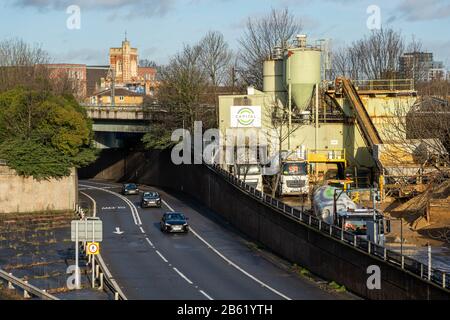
(134, 212)
(149, 242)
(106, 185)
(231, 262)
(206, 295)
(162, 257)
(183, 276)
(142, 230)
(167, 205)
(94, 203)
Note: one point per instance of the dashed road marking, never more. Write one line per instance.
(206, 295)
(162, 257)
(183, 276)
(149, 242)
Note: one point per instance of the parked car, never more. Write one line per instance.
(129, 188)
(174, 222)
(151, 199)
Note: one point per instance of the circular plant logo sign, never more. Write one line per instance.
(246, 117)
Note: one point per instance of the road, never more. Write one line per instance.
(211, 262)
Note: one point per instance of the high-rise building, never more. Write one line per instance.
(415, 65)
(437, 71)
(421, 66)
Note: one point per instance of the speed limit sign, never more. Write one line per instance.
(93, 248)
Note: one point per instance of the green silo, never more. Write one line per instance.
(274, 83)
(303, 72)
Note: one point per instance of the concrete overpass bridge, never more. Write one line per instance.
(114, 125)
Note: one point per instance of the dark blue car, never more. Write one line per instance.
(129, 188)
(174, 222)
(151, 199)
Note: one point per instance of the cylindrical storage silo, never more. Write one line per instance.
(303, 72)
(274, 79)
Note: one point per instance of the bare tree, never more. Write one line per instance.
(146, 63)
(417, 145)
(215, 57)
(374, 57)
(260, 37)
(345, 63)
(28, 66)
(419, 68)
(19, 64)
(183, 93)
(436, 88)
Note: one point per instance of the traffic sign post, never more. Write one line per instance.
(77, 268)
(84, 231)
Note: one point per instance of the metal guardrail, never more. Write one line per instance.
(28, 289)
(124, 107)
(407, 264)
(106, 279)
(384, 85)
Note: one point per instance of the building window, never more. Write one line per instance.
(121, 98)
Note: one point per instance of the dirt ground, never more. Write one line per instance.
(417, 230)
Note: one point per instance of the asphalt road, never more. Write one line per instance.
(211, 262)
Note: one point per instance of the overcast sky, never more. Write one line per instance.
(160, 27)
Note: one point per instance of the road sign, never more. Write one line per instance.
(88, 230)
(93, 248)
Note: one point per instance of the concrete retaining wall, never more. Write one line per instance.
(20, 194)
(297, 243)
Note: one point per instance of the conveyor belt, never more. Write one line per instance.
(370, 133)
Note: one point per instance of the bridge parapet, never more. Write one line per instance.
(123, 112)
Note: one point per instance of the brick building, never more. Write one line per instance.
(76, 74)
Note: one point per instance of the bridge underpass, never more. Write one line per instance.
(118, 135)
(121, 126)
